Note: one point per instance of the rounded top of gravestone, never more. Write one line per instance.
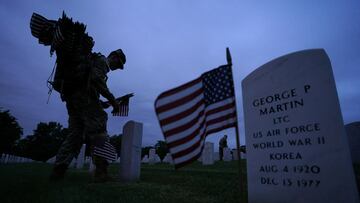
(132, 122)
(299, 59)
(353, 133)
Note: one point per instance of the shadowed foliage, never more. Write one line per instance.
(44, 143)
(161, 149)
(10, 131)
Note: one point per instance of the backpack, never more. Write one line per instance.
(70, 76)
(73, 48)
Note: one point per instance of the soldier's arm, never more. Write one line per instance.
(99, 82)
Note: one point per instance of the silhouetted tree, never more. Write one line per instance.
(20, 147)
(10, 131)
(161, 149)
(45, 142)
(115, 140)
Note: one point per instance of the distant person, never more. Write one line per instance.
(222, 145)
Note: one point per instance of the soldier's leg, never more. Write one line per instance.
(71, 146)
(95, 127)
(101, 171)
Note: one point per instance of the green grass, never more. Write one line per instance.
(158, 183)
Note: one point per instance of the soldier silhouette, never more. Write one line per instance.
(80, 78)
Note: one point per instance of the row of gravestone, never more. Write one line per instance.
(208, 156)
(8, 159)
(154, 158)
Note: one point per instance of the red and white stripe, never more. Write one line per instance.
(107, 151)
(186, 121)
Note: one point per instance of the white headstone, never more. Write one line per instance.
(297, 149)
(227, 154)
(157, 158)
(81, 157)
(7, 156)
(152, 158)
(208, 154)
(92, 167)
(131, 151)
(51, 160)
(72, 163)
(353, 133)
(145, 159)
(87, 160)
(168, 159)
(243, 155)
(235, 154)
(10, 159)
(216, 156)
(15, 159)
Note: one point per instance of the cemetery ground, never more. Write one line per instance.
(28, 182)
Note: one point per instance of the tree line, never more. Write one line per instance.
(46, 140)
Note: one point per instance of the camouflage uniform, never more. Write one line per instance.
(87, 119)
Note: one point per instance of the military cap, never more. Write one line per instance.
(121, 57)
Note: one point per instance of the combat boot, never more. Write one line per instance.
(101, 172)
(58, 172)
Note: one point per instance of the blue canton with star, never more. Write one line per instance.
(218, 84)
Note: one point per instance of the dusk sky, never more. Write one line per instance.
(170, 42)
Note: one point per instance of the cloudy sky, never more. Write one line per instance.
(169, 42)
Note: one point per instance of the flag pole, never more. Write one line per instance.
(229, 61)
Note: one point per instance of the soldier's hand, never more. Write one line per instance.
(116, 110)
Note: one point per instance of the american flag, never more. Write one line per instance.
(106, 151)
(190, 112)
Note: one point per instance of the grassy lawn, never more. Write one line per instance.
(158, 183)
